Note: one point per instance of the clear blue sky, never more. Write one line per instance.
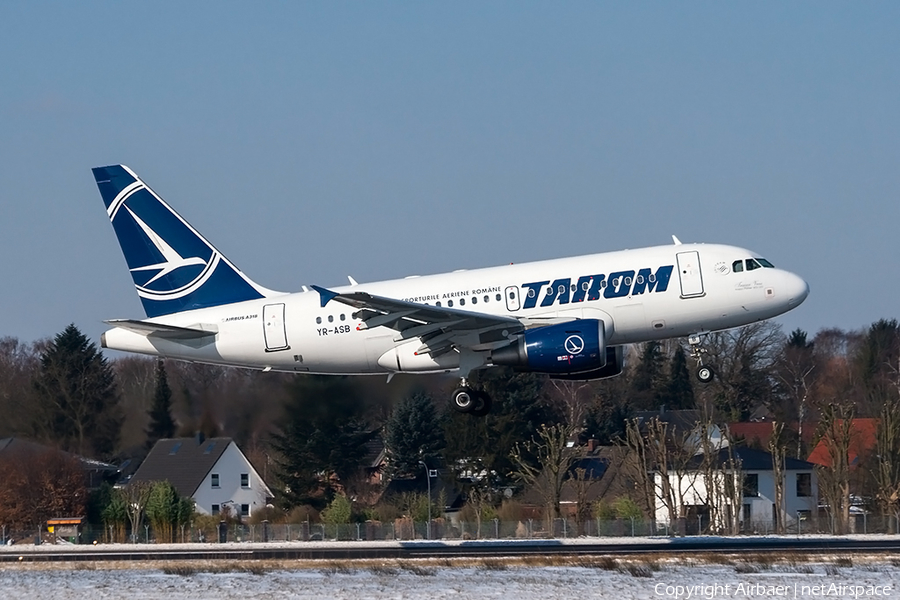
(310, 141)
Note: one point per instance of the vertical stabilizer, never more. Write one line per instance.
(174, 268)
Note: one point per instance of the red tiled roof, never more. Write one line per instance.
(862, 440)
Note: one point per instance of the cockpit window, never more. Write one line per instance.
(765, 263)
(737, 266)
(752, 264)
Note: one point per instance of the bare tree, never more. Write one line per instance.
(743, 359)
(136, 495)
(835, 432)
(639, 467)
(887, 466)
(778, 451)
(549, 470)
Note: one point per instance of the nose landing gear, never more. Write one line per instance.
(705, 373)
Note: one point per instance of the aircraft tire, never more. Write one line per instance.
(705, 374)
(463, 400)
(483, 405)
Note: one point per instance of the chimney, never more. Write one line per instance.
(592, 444)
(199, 437)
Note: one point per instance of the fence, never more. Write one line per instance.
(440, 529)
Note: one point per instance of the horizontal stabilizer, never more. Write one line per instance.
(172, 332)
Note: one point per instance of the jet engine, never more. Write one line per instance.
(615, 362)
(576, 347)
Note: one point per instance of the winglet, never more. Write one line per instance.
(676, 240)
(324, 295)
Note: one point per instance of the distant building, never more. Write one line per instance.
(95, 471)
(863, 439)
(758, 510)
(213, 472)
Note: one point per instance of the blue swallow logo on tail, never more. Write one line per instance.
(174, 268)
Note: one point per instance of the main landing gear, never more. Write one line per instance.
(468, 400)
(704, 373)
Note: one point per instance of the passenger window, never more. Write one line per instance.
(651, 278)
(628, 281)
(438, 303)
(561, 289)
(737, 266)
(573, 287)
(530, 294)
(318, 320)
(331, 318)
(585, 286)
(450, 303)
(474, 299)
(342, 317)
(487, 298)
(603, 284)
(511, 296)
(752, 264)
(640, 279)
(462, 301)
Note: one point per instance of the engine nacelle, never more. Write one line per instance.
(563, 349)
(615, 362)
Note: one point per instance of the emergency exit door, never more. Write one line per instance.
(274, 328)
(689, 274)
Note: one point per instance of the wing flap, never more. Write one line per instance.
(440, 329)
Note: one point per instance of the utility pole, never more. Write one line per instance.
(428, 481)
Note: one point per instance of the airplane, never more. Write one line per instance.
(568, 318)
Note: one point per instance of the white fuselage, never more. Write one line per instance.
(292, 332)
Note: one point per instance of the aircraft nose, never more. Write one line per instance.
(797, 288)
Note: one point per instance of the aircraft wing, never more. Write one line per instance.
(440, 329)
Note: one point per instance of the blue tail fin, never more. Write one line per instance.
(174, 268)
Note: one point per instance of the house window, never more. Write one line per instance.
(215, 480)
(215, 509)
(245, 510)
(245, 480)
(804, 485)
(751, 485)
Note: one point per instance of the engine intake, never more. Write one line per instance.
(563, 349)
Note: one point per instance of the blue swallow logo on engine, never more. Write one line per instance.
(574, 344)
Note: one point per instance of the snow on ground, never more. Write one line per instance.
(623, 579)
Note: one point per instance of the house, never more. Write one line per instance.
(863, 439)
(213, 472)
(95, 471)
(684, 427)
(758, 510)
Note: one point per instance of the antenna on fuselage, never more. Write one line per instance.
(676, 240)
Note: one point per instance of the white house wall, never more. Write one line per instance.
(230, 493)
(693, 488)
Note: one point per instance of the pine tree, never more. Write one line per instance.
(161, 423)
(77, 394)
(484, 445)
(323, 436)
(648, 379)
(678, 392)
(413, 434)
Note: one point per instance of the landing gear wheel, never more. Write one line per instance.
(463, 400)
(705, 374)
(482, 405)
